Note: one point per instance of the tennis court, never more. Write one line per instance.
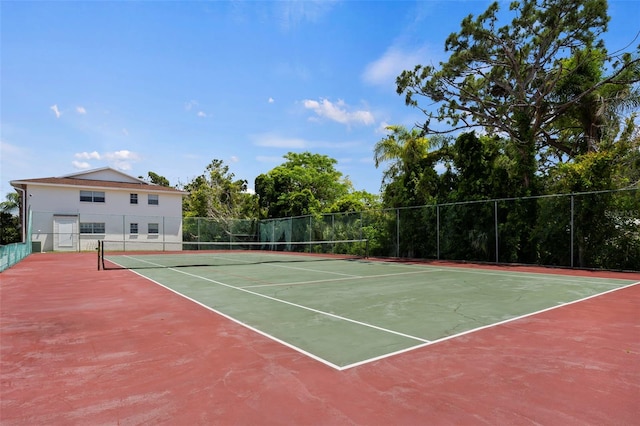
(316, 339)
(348, 311)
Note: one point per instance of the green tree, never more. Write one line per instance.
(408, 178)
(304, 184)
(355, 201)
(481, 167)
(11, 203)
(402, 149)
(504, 78)
(478, 169)
(218, 207)
(604, 223)
(627, 156)
(9, 222)
(218, 196)
(594, 120)
(158, 180)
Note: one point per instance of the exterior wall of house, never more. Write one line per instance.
(62, 222)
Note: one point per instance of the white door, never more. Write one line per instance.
(64, 229)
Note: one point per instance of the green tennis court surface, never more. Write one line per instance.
(348, 312)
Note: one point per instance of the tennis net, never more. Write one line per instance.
(142, 255)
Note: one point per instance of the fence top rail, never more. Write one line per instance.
(532, 197)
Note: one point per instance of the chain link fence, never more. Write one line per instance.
(10, 254)
(588, 230)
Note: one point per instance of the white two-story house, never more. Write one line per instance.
(73, 212)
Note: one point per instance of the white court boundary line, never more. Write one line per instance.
(369, 360)
(262, 333)
(535, 275)
(296, 305)
(454, 336)
(351, 278)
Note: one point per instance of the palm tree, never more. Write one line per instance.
(11, 204)
(9, 223)
(403, 149)
(600, 101)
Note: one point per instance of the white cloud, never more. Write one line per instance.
(125, 132)
(202, 114)
(80, 110)
(234, 159)
(122, 155)
(55, 110)
(121, 160)
(82, 165)
(271, 100)
(384, 70)
(339, 112)
(87, 155)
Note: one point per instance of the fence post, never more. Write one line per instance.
(397, 232)
(572, 230)
(333, 226)
(438, 231)
(495, 220)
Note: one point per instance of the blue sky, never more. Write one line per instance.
(169, 86)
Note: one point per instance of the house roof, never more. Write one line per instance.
(113, 173)
(77, 180)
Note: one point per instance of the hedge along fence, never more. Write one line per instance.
(584, 230)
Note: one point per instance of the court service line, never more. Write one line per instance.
(296, 305)
(578, 280)
(328, 280)
(329, 314)
(314, 270)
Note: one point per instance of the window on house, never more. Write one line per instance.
(92, 196)
(133, 198)
(92, 227)
(86, 196)
(153, 199)
(153, 228)
(133, 228)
